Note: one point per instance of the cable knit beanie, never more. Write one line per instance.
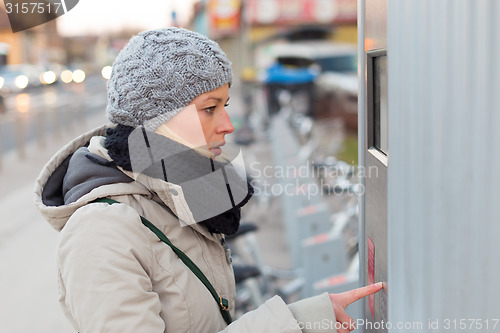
(160, 72)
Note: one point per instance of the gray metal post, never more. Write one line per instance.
(20, 144)
(1, 145)
(40, 129)
(56, 121)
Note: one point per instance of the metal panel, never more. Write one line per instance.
(443, 190)
(374, 166)
(375, 24)
(361, 142)
(376, 229)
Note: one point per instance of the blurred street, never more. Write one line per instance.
(28, 278)
(43, 111)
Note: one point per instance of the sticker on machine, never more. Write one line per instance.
(371, 275)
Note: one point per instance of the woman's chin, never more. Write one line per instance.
(216, 151)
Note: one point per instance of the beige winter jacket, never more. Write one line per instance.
(115, 275)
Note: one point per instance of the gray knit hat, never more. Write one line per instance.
(160, 72)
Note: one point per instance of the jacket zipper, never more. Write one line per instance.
(227, 251)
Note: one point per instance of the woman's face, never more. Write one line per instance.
(215, 122)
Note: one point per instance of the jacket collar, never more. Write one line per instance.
(168, 193)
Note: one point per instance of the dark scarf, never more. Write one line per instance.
(210, 188)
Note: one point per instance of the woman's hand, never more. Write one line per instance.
(341, 301)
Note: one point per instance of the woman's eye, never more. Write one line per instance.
(226, 105)
(210, 109)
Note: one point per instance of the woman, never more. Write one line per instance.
(162, 162)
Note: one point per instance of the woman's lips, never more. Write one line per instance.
(216, 148)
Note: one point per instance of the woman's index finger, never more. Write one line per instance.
(356, 294)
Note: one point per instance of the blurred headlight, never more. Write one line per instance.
(106, 72)
(48, 77)
(78, 76)
(66, 76)
(2, 81)
(21, 81)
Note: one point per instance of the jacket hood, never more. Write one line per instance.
(74, 176)
(83, 171)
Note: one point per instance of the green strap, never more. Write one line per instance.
(222, 302)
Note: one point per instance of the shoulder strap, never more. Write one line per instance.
(222, 302)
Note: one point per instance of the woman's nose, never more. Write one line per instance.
(225, 127)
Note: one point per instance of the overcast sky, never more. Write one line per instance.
(100, 16)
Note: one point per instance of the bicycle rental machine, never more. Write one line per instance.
(429, 157)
